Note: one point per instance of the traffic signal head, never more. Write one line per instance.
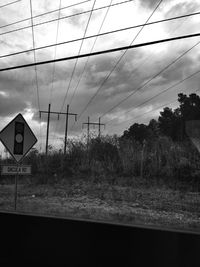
(19, 138)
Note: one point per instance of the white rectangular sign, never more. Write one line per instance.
(14, 169)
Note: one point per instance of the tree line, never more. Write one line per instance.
(160, 152)
(170, 123)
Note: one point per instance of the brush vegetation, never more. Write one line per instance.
(150, 175)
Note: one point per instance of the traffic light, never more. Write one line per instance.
(19, 138)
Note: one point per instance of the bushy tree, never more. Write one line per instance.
(137, 132)
(104, 151)
(169, 122)
(189, 106)
(172, 122)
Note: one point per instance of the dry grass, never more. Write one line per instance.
(138, 204)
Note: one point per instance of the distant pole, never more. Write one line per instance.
(66, 129)
(99, 124)
(88, 130)
(47, 137)
(67, 114)
(99, 127)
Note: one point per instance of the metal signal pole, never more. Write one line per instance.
(16, 181)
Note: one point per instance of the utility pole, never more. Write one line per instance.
(100, 127)
(99, 124)
(88, 130)
(66, 125)
(67, 114)
(48, 120)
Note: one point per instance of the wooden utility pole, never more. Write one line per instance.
(100, 127)
(48, 120)
(66, 125)
(67, 114)
(99, 124)
(88, 129)
(66, 129)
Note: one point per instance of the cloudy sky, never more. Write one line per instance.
(76, 82)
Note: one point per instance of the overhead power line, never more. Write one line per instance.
(101, 52)
(119, 60)
(11, 3)
(55, 53)
(162, 92)
(86, 63)
(156, 108)
(98, 35)
(169, 88)
(138, 66)
(62, 18)
(76, 62)
(80, 48)
(35, 67)
(151, 79)
(40, 15)
(34, 54)
(140, 115)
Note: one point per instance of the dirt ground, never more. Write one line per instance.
(152, 206)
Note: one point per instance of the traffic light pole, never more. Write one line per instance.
(16, 181)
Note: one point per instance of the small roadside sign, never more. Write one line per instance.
(18, 138)
(16, 170)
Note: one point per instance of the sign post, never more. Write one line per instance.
(16, 180)
(18, 139)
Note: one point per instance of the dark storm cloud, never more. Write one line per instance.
(177, 71)
(16, 91)
(126, 80)
(11, 105)
(46, 73)
(97, 70)
(23, 81)
(100, 68)
(116, 88)
(9, 82)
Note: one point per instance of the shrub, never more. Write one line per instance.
(104, 154)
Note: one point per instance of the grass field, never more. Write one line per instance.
(137, 203)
